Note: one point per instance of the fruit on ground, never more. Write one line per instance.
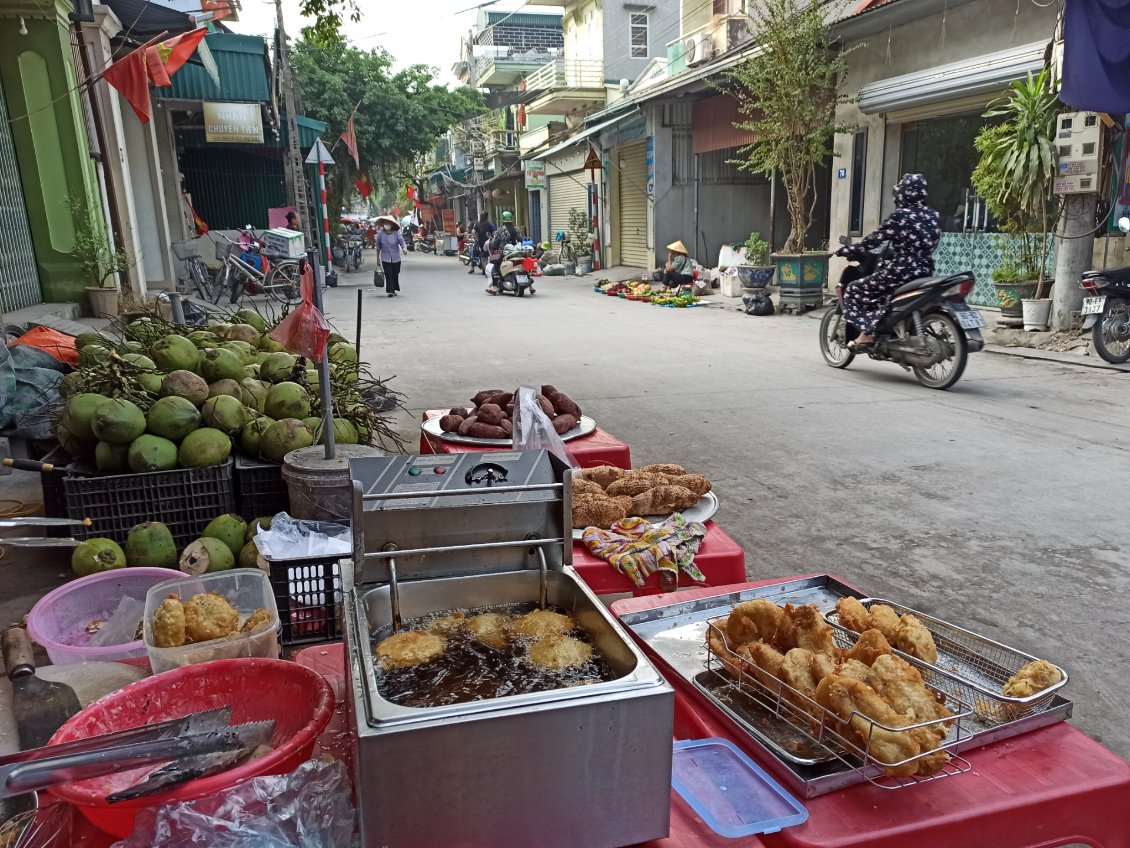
(287, 400)
(220, 364)
(202, 338)
(117, 421)
(284, 436)
(225, 413)
(345, 433)
(172, 418)
(276, 367)
(92, 354)
(151, 545)
(152, 453)
(79, 412)
(95, 555)
(203, 447)
(192, 387)
(229, 529)
(224, 387)
(174, 353)
(252, 435)
(206, 554)
(113, 459)
(269, 345)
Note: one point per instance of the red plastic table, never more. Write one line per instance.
(1047, 788)
(597, 448)
(720, 559)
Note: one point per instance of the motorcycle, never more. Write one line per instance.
(928, 329)
(511, 273)
(1106, 309)
(427, 244)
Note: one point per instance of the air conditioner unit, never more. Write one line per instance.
(698, 48)
(1079, 146)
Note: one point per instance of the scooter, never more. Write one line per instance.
(928, 328)
(1106, 310)
(511, 274)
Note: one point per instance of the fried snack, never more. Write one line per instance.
(491, 629)
(602, 475)
(667, 468)
(798, 671)
(853, 615)
(756, 619)
(581, 486)
(448, 623)
(557, 652)
(635, 483)
(854, 669)
(412, 647)
(871, 645)
(900, 685)
(885, 620)
(596, 511)
(765, 657)
(662, 500)
(209, 617)
(256, 620)
(913, 638)
(731, 662)
(541, 623)
(694, 482)
(804, 627)
(845, 696)
(168, 623)
(1032, 678)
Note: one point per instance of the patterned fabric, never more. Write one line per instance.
(637, 549)
(913, 230)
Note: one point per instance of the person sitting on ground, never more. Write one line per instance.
(679, 270)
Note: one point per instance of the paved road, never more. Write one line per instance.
(994, 505)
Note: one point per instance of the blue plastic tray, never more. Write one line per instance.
(730, 792)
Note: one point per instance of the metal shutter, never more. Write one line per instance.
(632, 226)
(566, 191)
(19, 274)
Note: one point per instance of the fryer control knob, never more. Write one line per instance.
(486, 472)
(439, 469)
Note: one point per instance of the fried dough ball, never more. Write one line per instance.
(602, 475)
(663, 500)
(491, 628)
(756, 619)
(635, 483)
(667, 468)
(581, 486)
(913, 638)
(871, 645)
(256, 620)
(853, 615)
(448, 623)
(541, 623)
(1032, 678)
(694, 482)
(168, 623)
(854, 669)
(559, 652)
(412, 647)
(886, 620)
(593, 511)
(209, 617)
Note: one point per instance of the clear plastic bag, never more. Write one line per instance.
(533, 430)
(308, 808)
(292, 538)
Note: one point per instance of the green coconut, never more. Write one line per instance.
(277, 367)
(79, 413)
(185, 384)
(95, 555)
(140, 360)
(151, 381)
(229, 529)
(263, 521)
(249, 556)
(252, 436)
(284, 436)
(269, 345)
(174, 353)
(244, 333)
(224, 387)
(253, 393)
(152, 453)
(90, 337)
(113, 459)
(241, 350)
(223, 412)
(172, 417)
(71, 444)
(314, 423)
(250, 316)
(203, 447)
(287, 400)
(220, 364)
(220, 330)
(206, 555)
(343, 353)
(335, 338)
(117, 421)
(131, 346)
(313, 379)
(345, 433)
(151, 545)
(92, 354)
(202, 339)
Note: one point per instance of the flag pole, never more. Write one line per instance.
(327, 259)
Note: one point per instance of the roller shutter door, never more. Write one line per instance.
(632, 228)
(566, 191)
(19, 273)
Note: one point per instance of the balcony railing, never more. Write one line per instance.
(567, 73)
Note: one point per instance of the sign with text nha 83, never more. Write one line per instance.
(233, 123)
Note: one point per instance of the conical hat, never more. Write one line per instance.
(678, 247)
(388, 219)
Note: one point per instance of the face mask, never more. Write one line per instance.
(388, 228)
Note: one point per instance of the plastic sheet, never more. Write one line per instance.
(28, 395)
(291, 538)
(308, 808)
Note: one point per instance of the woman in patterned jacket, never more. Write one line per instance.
(913, 230)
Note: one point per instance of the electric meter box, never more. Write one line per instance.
(282, 242)
(1079, 146)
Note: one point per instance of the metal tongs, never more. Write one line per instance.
(197, 745)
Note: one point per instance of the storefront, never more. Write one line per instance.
(568, 187)
(627, 186)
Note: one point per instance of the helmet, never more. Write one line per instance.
(506, 216)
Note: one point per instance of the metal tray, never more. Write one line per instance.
(982, 665)
(584, 427)
(702, 511)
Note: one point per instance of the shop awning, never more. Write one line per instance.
(588, 132)
(143, 20)
(985, 74)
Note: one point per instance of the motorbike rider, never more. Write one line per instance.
(506, 234)
(482, 232)
(913, 231)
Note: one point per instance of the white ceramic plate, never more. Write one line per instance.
(702, 511)
(585, 426)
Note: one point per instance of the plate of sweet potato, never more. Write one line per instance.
(489, 419)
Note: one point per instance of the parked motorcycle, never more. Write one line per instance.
(1106, 311)
(427, 244)
(928, 329)
(511, 274)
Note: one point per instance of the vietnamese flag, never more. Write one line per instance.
(173, 52)
(364, 185)
(129, 76)
(155, 68)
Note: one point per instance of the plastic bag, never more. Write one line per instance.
(305, 330)
(293, 538)
(308, 808)
(59, 348)
(533, 430)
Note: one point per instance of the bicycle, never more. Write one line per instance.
(281, 282)
(197, 274)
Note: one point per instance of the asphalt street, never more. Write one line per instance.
(993, 505)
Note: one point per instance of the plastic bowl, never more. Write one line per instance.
(59, 621)
(299, 700)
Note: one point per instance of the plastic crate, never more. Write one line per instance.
(308, 595)
(185, 500)
(259, 488)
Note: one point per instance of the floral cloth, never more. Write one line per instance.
(913, 230)
(637, 548)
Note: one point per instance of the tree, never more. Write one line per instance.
(788, 94)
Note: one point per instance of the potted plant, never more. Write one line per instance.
(757, 271)
(1015, 175)
(98, 262)
(581, 238)
(788, 94)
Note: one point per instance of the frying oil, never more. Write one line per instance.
(470, 670)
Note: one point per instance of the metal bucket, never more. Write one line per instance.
(320, 488)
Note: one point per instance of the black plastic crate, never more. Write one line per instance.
(259, 488)
(185, 500)
(309, 598)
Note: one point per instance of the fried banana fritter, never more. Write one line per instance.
(870, 645)
(541, 623)
(845, 697)
(885, 620)
(756, 619)
(804, 627)
(412, 647)
(913, 638)
(256, 620)
(447, 623)
(168, 623)
(491, 628)
(900, 685)
(663, 500)
(558, 652)
(853, 614)
(208, 617)
(1032, 678)
(603, 475)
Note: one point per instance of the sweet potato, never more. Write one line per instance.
(500, 399)
(546, 406)
(548, 390)
(564, 423)
(510, 407)
(468, 422)
(487, 431)
(564, 405)
(461, 411)
(508, 426)
(482, 396)
(490, 413)
(450, 423)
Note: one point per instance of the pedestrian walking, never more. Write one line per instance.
(483, 231)
(390, 243)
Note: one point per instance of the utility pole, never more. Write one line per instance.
(296, 194)
(1074, 248)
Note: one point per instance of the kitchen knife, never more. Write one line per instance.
(40, 707)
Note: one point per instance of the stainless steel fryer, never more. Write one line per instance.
(581, 766)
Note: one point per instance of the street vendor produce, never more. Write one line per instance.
(492, 413)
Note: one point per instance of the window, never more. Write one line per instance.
(637, 26)
(858, 168)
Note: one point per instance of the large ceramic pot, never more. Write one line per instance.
(1009, 296)
(802, 278)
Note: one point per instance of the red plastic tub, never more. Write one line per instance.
(299, 700)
